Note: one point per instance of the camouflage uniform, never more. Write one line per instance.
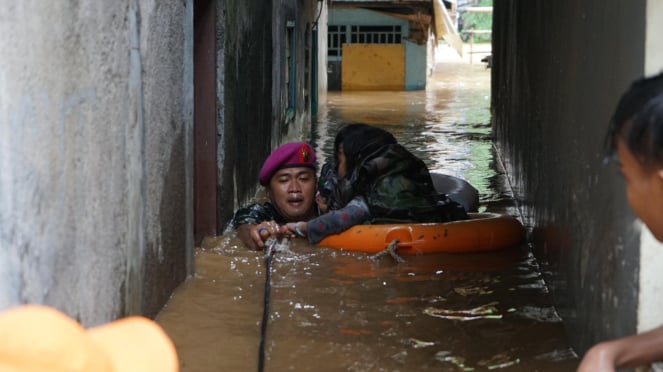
(255, 214)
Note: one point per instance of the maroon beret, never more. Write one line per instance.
(293, 154)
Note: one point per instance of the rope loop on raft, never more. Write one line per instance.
(390, 250)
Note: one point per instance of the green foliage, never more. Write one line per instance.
(476, 21)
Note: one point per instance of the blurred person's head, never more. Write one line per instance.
(635, 135)
(354, 142)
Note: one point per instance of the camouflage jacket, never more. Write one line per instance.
(396, 185)
(255, 214)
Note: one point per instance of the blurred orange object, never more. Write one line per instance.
(40, 338)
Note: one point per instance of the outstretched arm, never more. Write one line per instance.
(334, 222)
(626, 352)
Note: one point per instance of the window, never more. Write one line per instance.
(335, 39)
(375, 34)
(337, 36)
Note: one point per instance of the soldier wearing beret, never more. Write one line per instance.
(288, 175)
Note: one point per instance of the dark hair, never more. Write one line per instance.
(638, 121)
(360, 140)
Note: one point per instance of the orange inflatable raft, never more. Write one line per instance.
(483, 232)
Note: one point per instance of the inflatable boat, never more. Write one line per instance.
(458, 190)
(483, 232)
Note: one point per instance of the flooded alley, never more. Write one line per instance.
(332, 310)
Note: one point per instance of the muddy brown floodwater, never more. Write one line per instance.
(339, 311)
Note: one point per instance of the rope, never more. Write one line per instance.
(271, 248)
(390, 250)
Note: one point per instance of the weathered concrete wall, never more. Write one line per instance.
(244, 59)
(95, 122)
(558, 71)
(303, 14)
(253, 93)
(167, 46)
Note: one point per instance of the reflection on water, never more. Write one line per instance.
(332, 310)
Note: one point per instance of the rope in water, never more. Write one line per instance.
(269, 254)
(272, 245)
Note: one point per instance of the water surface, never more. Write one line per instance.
(337, 311)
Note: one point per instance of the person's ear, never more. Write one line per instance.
(659, 173)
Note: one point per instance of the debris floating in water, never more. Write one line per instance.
(445, 356)
(487, 311)
(496, 362)
(469, 290)
(499, 361)
(505, 364)
(418, 344)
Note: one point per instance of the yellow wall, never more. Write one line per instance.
(373, 67)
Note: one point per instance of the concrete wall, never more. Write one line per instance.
(253, 91)
(95, 128)
(558, 71)
(244, 59)
(416, 65)
(301, 15)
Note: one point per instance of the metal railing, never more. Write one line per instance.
(471, 33)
